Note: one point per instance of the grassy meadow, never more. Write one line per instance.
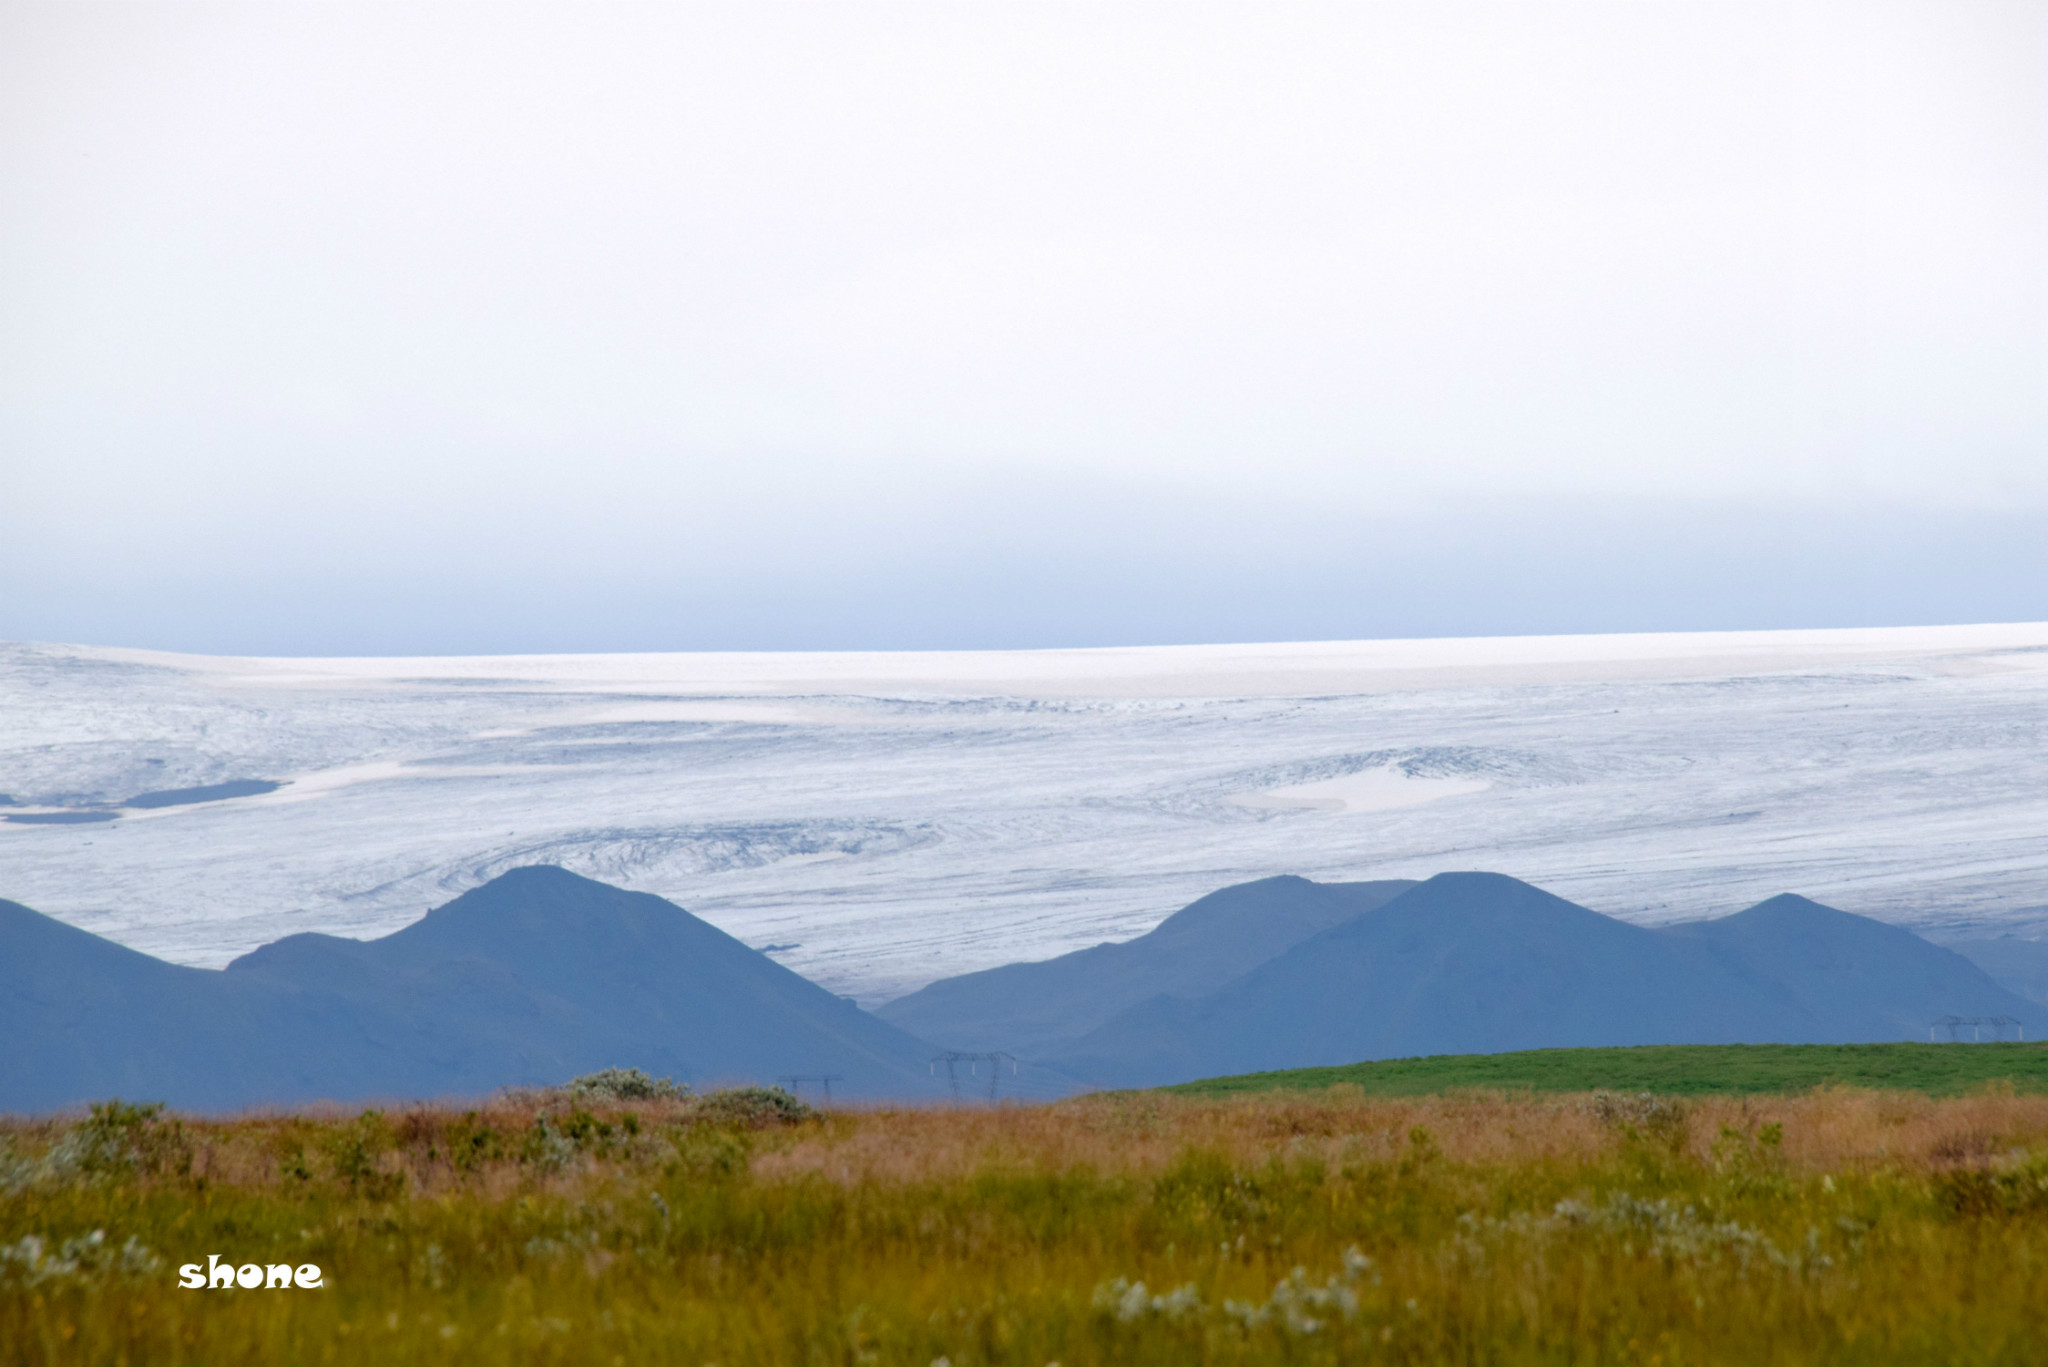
(1680, 1069)
(1840, 1226)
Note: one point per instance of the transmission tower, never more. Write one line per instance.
(953, 1058)
(795, 1081)
(1976, 1025)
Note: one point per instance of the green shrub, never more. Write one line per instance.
(755, 1107)
(115, 1142)
(355, 1155)
(625, 1084)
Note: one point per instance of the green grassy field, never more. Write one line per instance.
(1675, 1069)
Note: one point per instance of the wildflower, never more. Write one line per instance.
(31, 1261)
(1129, 1301)
(1300, 1307)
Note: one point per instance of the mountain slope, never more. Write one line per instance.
(530, 979)
(573, 975)
(1482, 963)
(1859, 980)
(83, 1018)
(2019, 966)
(1464, 963)
(1032, 1009)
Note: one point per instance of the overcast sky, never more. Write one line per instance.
(364, 328)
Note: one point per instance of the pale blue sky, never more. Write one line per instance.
(431, 328)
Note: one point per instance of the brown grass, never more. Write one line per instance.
(1841, 1227)
(1142, 1135)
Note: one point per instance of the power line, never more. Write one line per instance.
(794, 1081)
(953, 1058)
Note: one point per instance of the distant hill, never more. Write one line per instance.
(1483, 963)
(541, 975)
(1673, 1069)
(1033, 1009)
(84, 1018)
(533, 978)
(2018, 965)
(1853, 978)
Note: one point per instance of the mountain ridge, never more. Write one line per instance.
(1483, 963)
(1034, 1007)
(540, 975)
(530, 979)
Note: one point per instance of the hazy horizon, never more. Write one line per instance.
(349, 329)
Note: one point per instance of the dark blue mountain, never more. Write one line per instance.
(541, 975)
(1854, 978)
(83, 1018)
(1482, 963)
(2018, 965)
(1034, 1009)
(533, 978)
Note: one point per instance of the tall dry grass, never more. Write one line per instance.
(1141, 1133)
(1840, 1227)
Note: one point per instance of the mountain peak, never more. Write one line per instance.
(1790, 918)
(1787, 904)
(1032, 1007)
(534, 977)
(1481, 880)
(542, 875)
(1228, 905)
(551, 880)
(535, 902)
(1491, 896)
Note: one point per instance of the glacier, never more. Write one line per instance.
(878, 820)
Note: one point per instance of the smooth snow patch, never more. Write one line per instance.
(1368, 790)
(709, 710)
(1261, 670)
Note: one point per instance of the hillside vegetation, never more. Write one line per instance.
(1840, 1227)
(1674, 1069)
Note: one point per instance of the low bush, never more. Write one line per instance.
(625, 1084)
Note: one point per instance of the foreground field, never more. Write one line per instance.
(1837, 1227)
(1683, 1069)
